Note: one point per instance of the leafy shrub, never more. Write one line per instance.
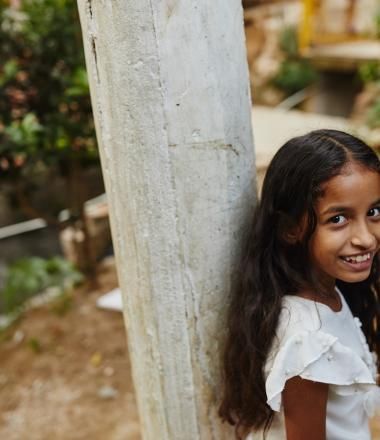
(377, 24)
(289, 41)
(369, 72)
(29, 276)
(373, 115)
(45, 109)
(47, 134)
(294, 73)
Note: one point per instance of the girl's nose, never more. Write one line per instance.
(364, 237)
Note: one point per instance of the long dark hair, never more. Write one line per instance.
(272, 267)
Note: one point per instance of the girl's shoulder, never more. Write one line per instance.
(297, 318)
(316, 343)
(304, 322)
(298, 314)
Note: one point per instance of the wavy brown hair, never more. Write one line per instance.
(271, 267)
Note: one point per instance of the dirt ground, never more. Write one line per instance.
(65, 372)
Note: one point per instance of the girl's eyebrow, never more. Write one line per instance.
(334, 209)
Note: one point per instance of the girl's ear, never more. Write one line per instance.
(289, 231)
(293, 237)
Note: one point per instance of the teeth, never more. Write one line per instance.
(358, 259)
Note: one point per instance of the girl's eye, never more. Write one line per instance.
(374, 212)
(337, 219)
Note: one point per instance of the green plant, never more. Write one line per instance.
(29, 276)
(369, 72)
(35, 345)
(373, 115)
(45, 109)
(294, 73)
(377, 25)
(289, 41)
(46, 123)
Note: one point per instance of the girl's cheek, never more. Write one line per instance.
(376, 230)
(331, 238)
(335, 231)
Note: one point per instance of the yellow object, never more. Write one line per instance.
(308, 35)
(305, 29)
(96, 359)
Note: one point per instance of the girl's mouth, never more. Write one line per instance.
(359, 262)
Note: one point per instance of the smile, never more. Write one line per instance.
(358, 263)
(358, 258)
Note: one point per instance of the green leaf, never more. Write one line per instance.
(28, 276)
(42, 39)
(289, 41)
(10, 69)
(294, 75)
(369, 72)
(25, 133)
(373, 115)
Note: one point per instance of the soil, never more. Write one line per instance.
(65, 371)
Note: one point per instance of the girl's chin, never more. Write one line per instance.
(354, 278)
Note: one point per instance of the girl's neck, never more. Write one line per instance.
(331, 298)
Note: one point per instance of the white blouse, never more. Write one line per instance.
(316, 343)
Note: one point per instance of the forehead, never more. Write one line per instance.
(354, 186)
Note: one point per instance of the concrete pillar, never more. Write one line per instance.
(170, 93)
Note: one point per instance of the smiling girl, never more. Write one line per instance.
(304, 319)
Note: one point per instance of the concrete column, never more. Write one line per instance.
(170, 93)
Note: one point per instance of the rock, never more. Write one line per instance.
(108, 371)
(107, 392)
(18, 336)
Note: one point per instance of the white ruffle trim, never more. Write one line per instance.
(320, 357)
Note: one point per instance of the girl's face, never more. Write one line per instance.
(347, 235)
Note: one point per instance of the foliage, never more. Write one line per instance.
(377, 25)
(373, 115)
(369, 72)
(294, 73)
(35, 345)
(47, 133)
(289, 41)
(45, 109)
(29, 276)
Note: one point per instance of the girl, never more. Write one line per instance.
(297, 363)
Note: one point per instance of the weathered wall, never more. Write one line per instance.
(170, 92)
